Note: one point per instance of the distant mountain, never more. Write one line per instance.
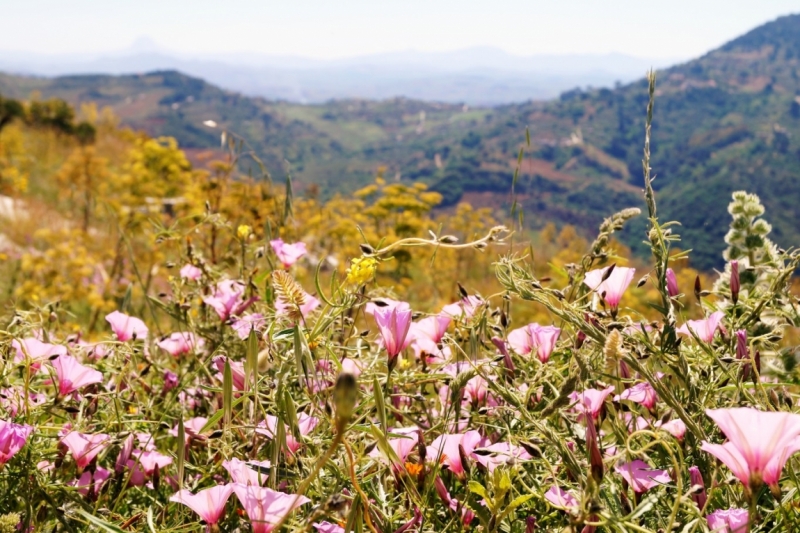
(478, 76)
(726, 121)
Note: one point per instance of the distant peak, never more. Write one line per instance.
(145, 43)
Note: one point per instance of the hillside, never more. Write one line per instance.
(726, 121)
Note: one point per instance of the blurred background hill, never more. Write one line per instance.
(728, 120)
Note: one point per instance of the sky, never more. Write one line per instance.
(333, 29)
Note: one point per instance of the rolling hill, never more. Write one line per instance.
(726, 121)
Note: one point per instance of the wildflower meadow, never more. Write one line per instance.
(246, 358)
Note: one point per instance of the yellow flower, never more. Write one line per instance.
(243, 231)
(362, 269)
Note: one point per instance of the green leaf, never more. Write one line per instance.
(150, 523)
(181, 451)
(98, 523)
(251, 366)
(216, 417)
(478, 489)
(380, 404)
(227, 394)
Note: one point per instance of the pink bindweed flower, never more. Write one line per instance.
(241, 471)
(672, 283)
(12, 438)
(393, 325)
(676, 428)
(150, 460)
(562, 499)
(641, 393)
(327, 527)
(590, 401)
(466, 307)
(305, 423)
(385, 303)
(641, 477)
(251, 321)
(191, 272)
(237, 371)
(91, 481)
(613, 287)
(85, 447)
(430, 329)
(699, 495)
(170, 380)
(228, 299)
(759, 443)
(498, 454)
(467, 516)
(266, 507)
(310, 303)
(402, 448)
(728, 521)
(288, 254)
(126, 327)
(535, 337)
(124, 454)
(448, 448)
(191, 429)
(13, 400)
(36, 350)
(72, 375)
(209, 503)
(704, 329)
(180, 343)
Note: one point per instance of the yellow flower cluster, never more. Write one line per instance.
(362, 269)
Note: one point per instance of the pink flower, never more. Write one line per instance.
(759, 443)
(676, 428)
(191, 272)
(465, 307)
(534, 337)
(402, 447)
(13, 400)
(704, 329)
(241, 472)
(430, 329)
(252, 321)
(72, 375)
(266, 507)
(476, 391)
(180, 343)
(385, 303)
(500, 453)
(126, 327)
(310, 303)
(91, 481)
(672, 283)
(641, 477)
(590, 401)
(327, 527)
(124, 454)
(699, 495)
(305, 423)
(641, 393)
(237, 371)
(612, 288)
(561, 498)
(447, 449)
(36, 350)
(170, 380)
(209, 504)
(288, 254)
(393, 325)
(12, 438)
(228, 299)
(728, 521)
(191, 428)
(85, 447)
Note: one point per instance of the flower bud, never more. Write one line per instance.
(124, 455)
(741, 344)
(735, 286)
(672, 283)
(699, 489)
(595, 457)
(530, 524)
(345, 395)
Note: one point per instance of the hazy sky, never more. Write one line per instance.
(345, 28)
